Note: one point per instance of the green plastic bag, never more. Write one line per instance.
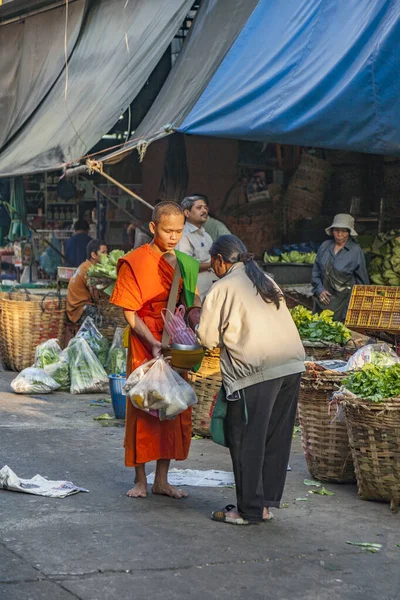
(218, 417)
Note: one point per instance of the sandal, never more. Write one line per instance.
(221, 516)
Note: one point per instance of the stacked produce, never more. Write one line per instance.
(384, 269)
(375, 383)
(304, 258)
(320, 327)
(107, 268)
(97, 342)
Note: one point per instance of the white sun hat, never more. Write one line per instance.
(342, 221)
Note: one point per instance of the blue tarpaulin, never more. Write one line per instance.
(322, 73)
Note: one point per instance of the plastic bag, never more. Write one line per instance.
(87, 374)
(34, 381)
(47, 353)
(380, 355)
(97, 342)
(176, 327)
(116, 361)
(60, 371)
(156, 386)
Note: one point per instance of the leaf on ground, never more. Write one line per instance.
(104, 417)
(321, 492)
(370, 547)
(296, 430)
(284, 505)
(301, 499)
(312, 482)
(397, 545)
(197, 437)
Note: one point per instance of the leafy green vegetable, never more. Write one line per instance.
(321, 492)
(107, 268)
(116, 362)
(87, 374)
(59, 371)
(47, 353)
(312, 482)
(320, 327)
(367, 546)
(374, 383)
(302, 258)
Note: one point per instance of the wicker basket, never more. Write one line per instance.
(374, 434)
(325, 442)
(206, 383)
(330, 351)
(27, 320)
(110, 316)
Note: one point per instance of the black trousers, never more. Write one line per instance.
(260, 449)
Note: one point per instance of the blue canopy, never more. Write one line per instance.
(322, 73)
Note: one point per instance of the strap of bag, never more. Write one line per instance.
(172, 298)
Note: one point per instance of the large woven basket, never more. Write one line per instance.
(27, 320)
(110, 316)
(330, 351)
(206, 383)
(374, 434)
(324, 438)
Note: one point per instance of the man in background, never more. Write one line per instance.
(196, 242)
(79, 299)
(213, 227)
(75, 247)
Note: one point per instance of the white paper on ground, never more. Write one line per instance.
(38, 485)
(180, 477)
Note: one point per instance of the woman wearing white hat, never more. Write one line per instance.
(339, 265)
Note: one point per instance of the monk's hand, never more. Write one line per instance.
(325, 297)
(156, 349)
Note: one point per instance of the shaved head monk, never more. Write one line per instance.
(142, 289)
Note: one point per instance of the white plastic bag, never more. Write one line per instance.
(87, 374)
(96, 340)
(156, 386)
(60, 371)
(47, 353)
(380, 355)
(116, 361)
(34, 381)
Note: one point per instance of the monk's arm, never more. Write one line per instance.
(143, 332)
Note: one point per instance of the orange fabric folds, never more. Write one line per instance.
(143, 285)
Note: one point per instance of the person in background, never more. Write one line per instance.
(339, 265)
(142, 289)
(262, 359)
(213, 227)
(196, 242)
(79, 299)
(75, 247)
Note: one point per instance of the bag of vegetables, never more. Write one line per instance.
(116, 361)
(47, 353)
(34, 381)
(97, 342)
(87, 374)
(59, 371)
(156, 386)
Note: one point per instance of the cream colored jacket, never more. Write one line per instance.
(258, 342)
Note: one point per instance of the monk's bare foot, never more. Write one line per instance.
(267, 516)
(168, 490)
(139, 490)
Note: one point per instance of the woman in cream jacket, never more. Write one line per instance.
(262, 359)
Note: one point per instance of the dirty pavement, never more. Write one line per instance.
(103, 545)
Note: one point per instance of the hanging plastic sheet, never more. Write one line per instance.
(318, 73)
(119, 45)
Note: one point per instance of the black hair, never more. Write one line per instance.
(93, 246)
(166, 207)
(188, 202)
(81, 225)
(232, 250)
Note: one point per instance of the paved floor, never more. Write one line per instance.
(105, 546)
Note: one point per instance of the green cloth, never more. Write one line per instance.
(18, 228)
(215, 228)
(189, 270)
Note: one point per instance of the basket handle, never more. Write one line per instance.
(53, 304)
(14, 289)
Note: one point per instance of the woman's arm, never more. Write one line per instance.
(143, 332)
(209, 331)
(317, 275)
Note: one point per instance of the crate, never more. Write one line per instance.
(286, 273)
(374, 308)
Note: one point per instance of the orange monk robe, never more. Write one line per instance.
(143, 285)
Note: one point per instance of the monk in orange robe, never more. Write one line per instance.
(142, 289)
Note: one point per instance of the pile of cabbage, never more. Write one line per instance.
(384, 269)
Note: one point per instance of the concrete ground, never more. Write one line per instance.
(105, 546)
